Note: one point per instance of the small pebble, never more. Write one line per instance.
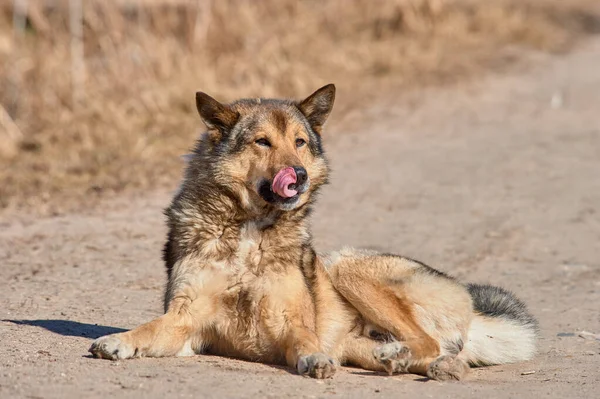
(557, 100)
(588, 335)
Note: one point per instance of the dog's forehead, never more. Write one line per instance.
(281, 118)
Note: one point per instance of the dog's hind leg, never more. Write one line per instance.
(357, 350)
(396, 357)
(381, 305)
(393, 357)
(414, 349)
(383, 289)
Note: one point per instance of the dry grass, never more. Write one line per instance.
(134, 113)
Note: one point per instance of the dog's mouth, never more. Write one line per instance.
(267, 194)
(285, 183)
(284, 189)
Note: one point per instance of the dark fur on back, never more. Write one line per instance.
(424, 267)
(497, 302)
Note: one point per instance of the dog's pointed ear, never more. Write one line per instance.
(214, 114)
(317, 107)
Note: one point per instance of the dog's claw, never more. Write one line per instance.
(394, 356)
(112, 347)
(447, 368)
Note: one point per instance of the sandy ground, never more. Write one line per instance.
(497, 181)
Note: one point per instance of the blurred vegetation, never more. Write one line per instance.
(97, 96)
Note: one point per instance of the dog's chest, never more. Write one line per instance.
(252, 304)
(249, 318)
(249, 252)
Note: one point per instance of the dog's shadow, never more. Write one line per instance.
(382, 374)
(69, 328)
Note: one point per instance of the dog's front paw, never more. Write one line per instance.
(447, 368)
(317, 365)
(112, 347)
(394, 356)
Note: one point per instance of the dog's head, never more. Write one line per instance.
(268, 152)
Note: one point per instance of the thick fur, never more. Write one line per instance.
(244, 280)
(502, 330)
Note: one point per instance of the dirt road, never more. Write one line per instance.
(496, 181)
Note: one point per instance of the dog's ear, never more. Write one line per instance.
(214, 114)
(317, 107)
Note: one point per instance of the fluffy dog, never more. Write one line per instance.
(244, 280)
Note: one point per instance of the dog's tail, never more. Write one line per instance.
(502, 331)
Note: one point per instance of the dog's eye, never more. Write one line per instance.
(300, 142)
(263, 142)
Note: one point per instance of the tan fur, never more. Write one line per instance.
(244, 280)
(394, 295)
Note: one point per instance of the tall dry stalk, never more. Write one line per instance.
(201, 22)
(19, 21)
(10, 134)
(77, 54)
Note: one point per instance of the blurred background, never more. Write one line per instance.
(97, 96)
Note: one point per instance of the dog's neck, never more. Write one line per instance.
(293, 224)
(213, 223)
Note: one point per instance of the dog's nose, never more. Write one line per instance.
(301, 175)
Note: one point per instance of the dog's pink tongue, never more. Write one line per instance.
(282, 181)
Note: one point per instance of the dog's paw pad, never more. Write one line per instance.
(317, 365)
(394, 356)
(447, 368)
(112, 347)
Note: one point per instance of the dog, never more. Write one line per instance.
(244, 279)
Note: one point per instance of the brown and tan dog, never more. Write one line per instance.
(244, 280)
